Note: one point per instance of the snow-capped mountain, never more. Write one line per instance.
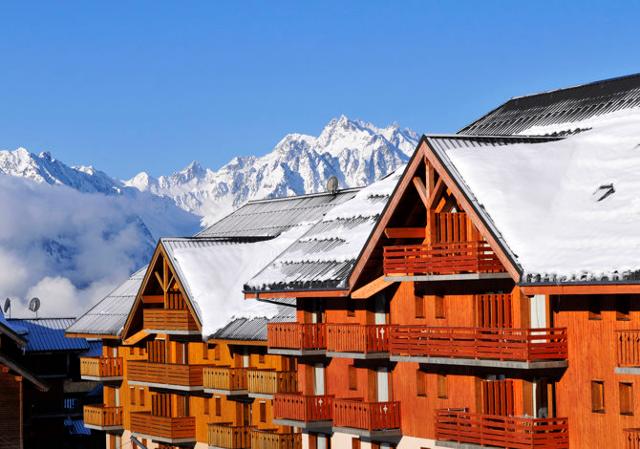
(354, 151)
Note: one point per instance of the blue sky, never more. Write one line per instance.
(134, 86)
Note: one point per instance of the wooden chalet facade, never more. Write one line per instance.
(170, 382)
(438, 336)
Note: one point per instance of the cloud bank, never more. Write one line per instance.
(70, 248)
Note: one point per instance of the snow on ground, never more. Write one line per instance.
(569, 210)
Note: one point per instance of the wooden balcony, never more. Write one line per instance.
(166, 375)
(304, 411)
(358, 341)
(631, 438)
(226, 436)
(367, 419)
(266, 383)
(176, 322)
(463, 428)
(101, 417)
(271, 439)
(163, 428)
(225, 380)
(101, 369)
(469, 346)
(628, 351)
(442, 261)
(297, 338)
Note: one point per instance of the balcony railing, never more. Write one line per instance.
(166, 374)
(628, 348)
(171, 320)
(101, 367)
(298, 336)
(225, 379)
(304, 408)
(271, 439)
(528, 345)
(440, 259)
(163, 428)
(270, 382)
(501, 431)
(358, 338)
(631, 438)
(371, 416)
(229, 437)
(101, 416)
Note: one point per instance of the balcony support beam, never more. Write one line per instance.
(505, 364)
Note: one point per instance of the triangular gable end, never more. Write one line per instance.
(429, 208)
(162, 291)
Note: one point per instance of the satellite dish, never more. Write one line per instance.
(7, 305)
(332, 185)
(34, 305)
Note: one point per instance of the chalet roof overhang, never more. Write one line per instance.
(310, 293)
(159, 252)
(6, 330)
(581, 288)
(427, 151)
(20, 370)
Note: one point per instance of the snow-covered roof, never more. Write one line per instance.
(566, 210)
(325, 255)
(562, 107)
(268, 218)
(254, 328)
(212, 273)
(108, 316)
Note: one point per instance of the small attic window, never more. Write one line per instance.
(604, 191)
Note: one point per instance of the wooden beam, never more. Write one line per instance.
(370, 289)
(422, 190)
(405, 233)
(152, 299)
(437, 190)
(159, 278)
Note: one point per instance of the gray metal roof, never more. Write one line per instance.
(47, 334)
(108, 316)
(324, 257)
(254, 329)
(268, 218)
(567, 105)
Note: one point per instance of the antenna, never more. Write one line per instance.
(332, 185)
(34, 305)
(7, 307)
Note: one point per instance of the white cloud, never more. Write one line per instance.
(70, 248)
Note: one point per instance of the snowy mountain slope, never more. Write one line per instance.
(354, 151)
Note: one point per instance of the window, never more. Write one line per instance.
(206, 405)
(141, 397)
(132, 395)
(218, 406)
(261, 358)
(439, 307)
(623, 306)
(353, 378)
(419, 306)
(263, 411)
(626, 398)
(205, 351)
(216, 352)
(597, 396)
(421, 382)
(595, 309)
(442, 386)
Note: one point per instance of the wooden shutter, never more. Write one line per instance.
(419, 306)
(263, 411)
(439, 306)
(493, 311)
(421, 382)
(442, 386)
(497, 397)
(626, 398)
(597, 396)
